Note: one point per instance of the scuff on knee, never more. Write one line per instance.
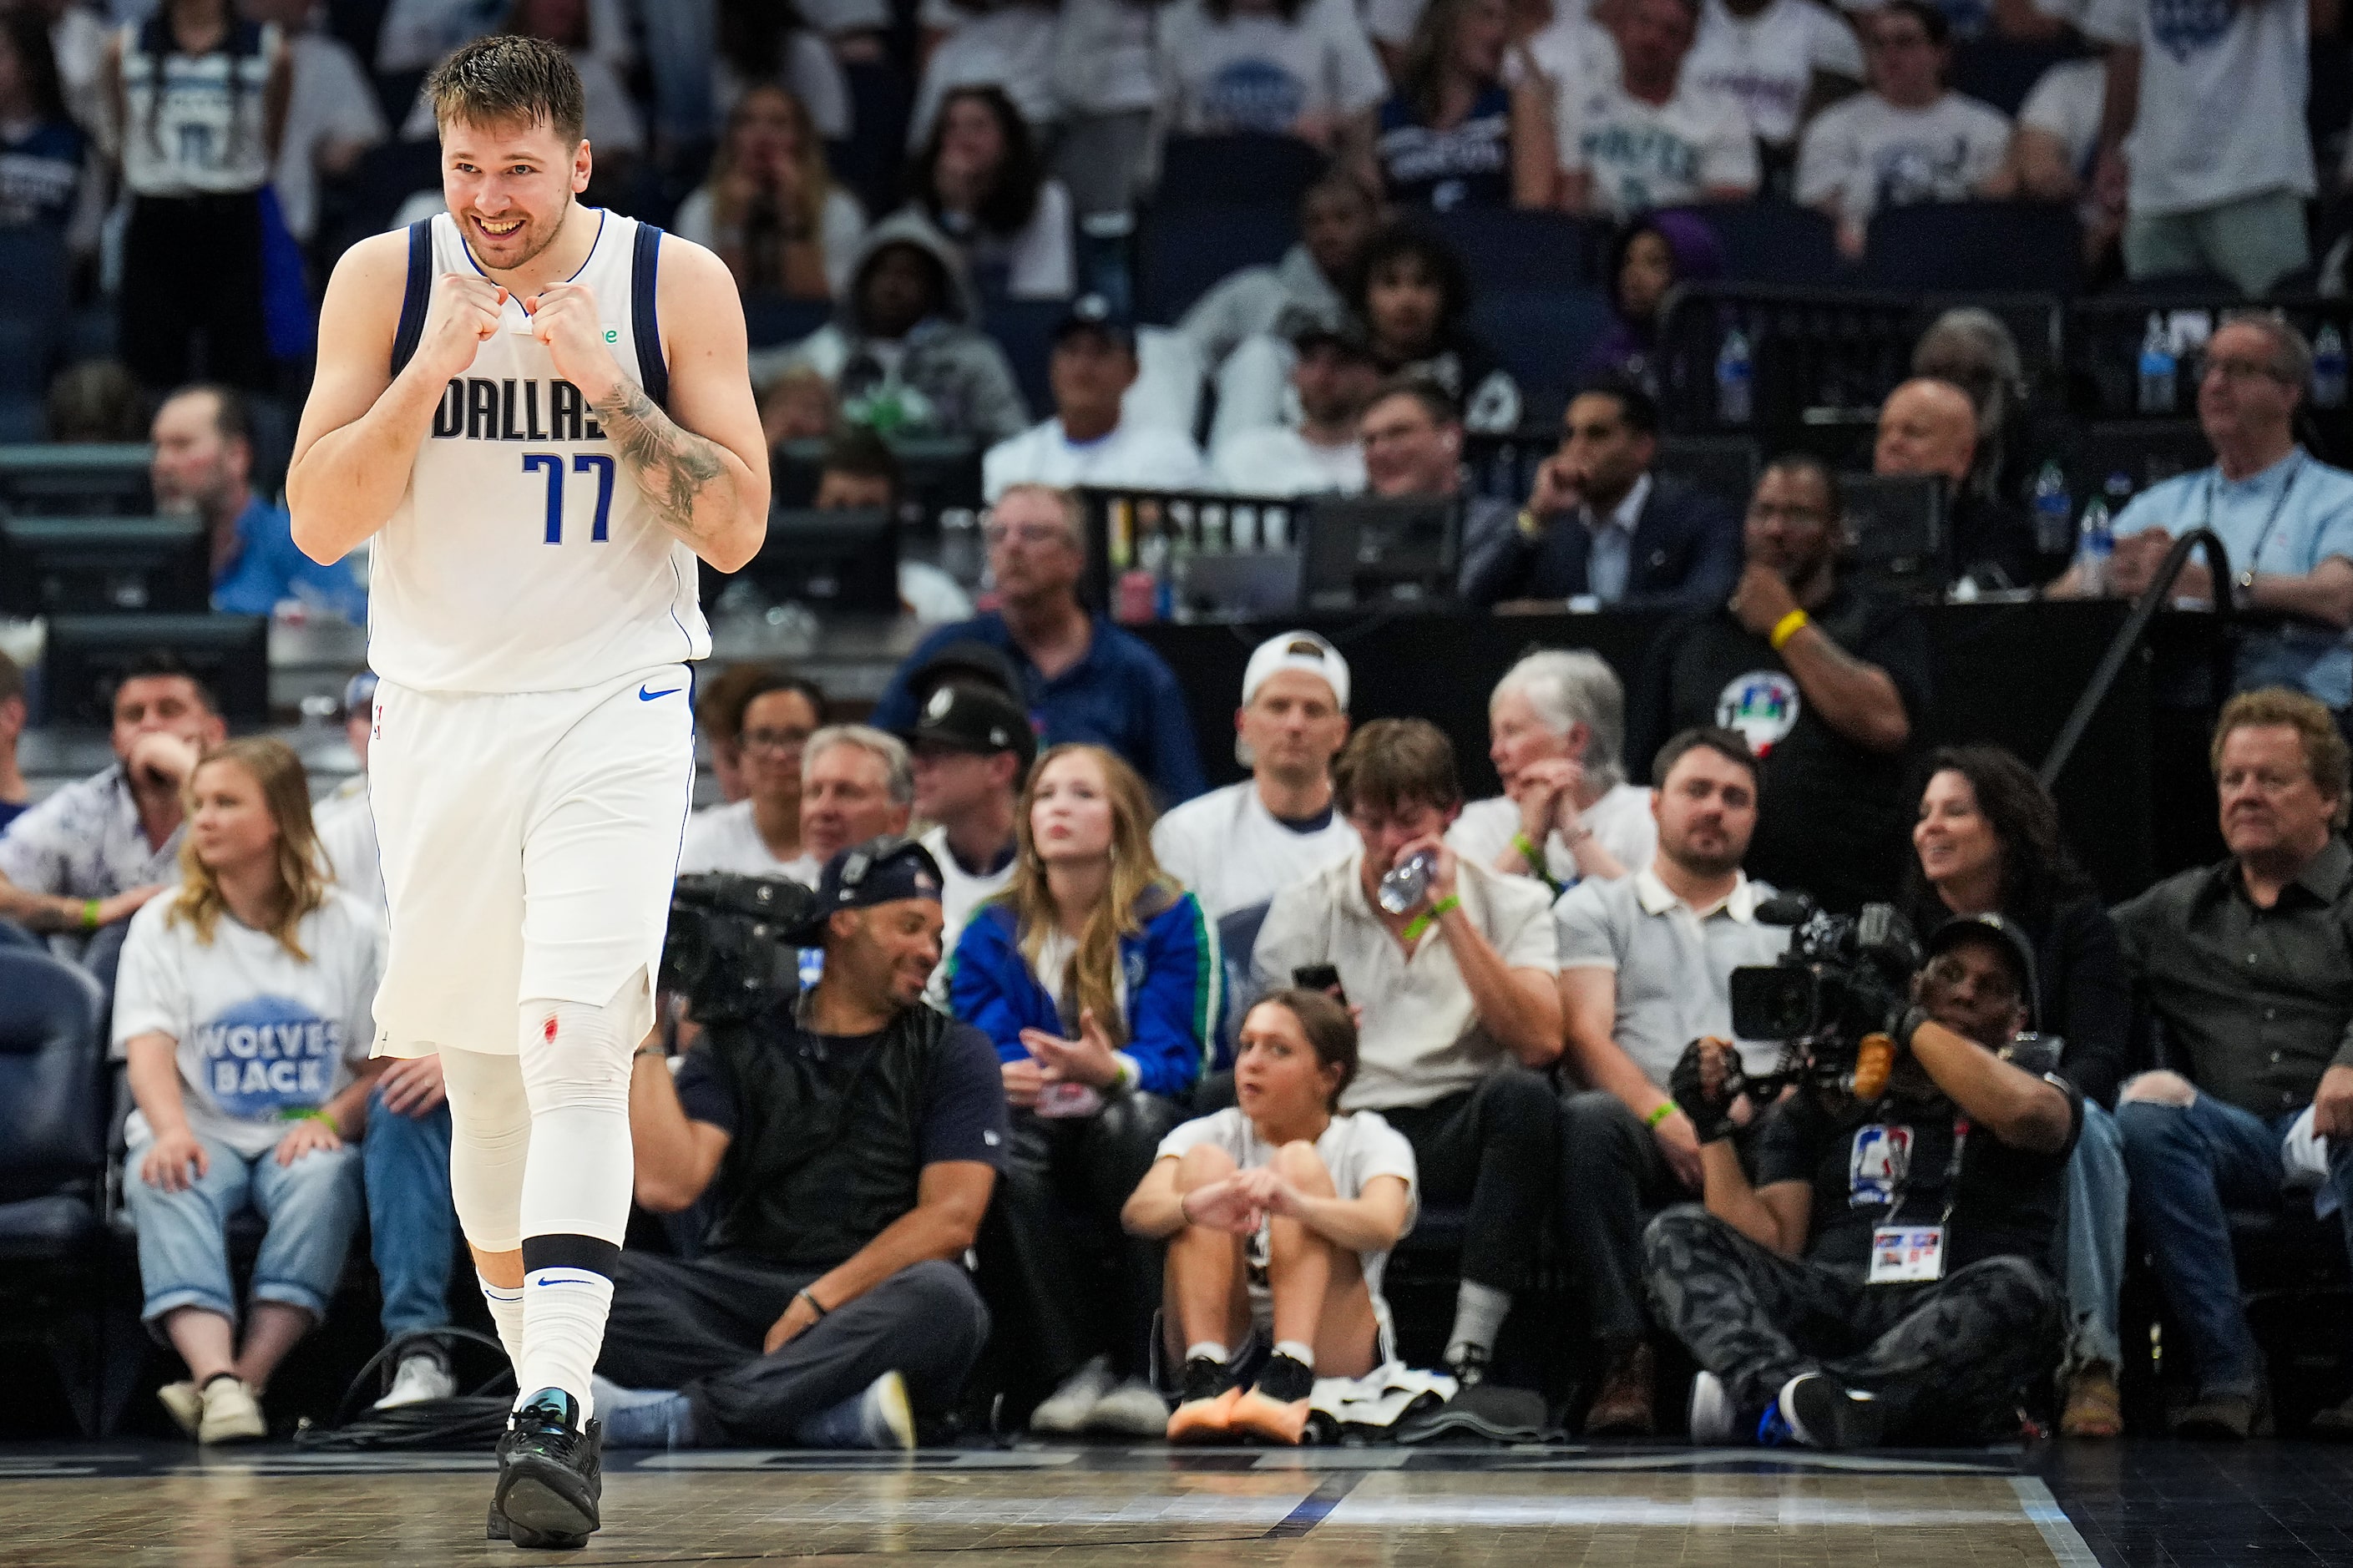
(2158, 1089)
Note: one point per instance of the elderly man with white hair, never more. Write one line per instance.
(1556, 728)
(857, 782)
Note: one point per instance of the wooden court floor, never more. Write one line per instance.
(1144, 1508)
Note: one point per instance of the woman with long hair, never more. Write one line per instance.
(1097, 978)
(769, 207)
(1279, 1213)
(1454, 133)
(242, 1006)
(980, 180)
(1988, 843)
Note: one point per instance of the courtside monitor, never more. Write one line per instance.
(1897, 536)
(833, 563)
(87, 657)
(77, 479)
(1365, 551)
(104, 565)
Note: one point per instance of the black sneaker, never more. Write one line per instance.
(551, 1475)
(1204, 1379)
(1284, 1380)
(1814, 1409)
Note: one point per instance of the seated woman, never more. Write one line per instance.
(244, 1008)
(1412, 292)
(980, 181)
(1276, 67)
(769, 207)
(1648, 259)
(1453, 133)
(1279, 1214)
(1097, 978)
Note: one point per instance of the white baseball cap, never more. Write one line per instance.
(1302, 652)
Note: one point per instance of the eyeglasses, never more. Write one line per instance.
(2243, 370)
(1029, 533)
(781, 742)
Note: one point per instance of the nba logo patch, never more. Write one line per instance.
(1877, 1165)
(1761, 707)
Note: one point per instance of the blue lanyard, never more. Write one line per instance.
(2279, 504)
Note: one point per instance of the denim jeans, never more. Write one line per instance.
(309, 1207)
(2098, 1197)
(2188, 1164)
(412, 1225)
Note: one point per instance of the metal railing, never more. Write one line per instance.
(2128, 638)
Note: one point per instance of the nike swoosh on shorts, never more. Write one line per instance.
(645, 696)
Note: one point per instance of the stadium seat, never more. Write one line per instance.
(868, 163)
(771, 318)
(1775, 242)
(2002, 71)
(1184, 252)
(1507, 248)
(35, 308)
(1982, 247)
(1541, 335)
(1023, 328)
(1217, 171)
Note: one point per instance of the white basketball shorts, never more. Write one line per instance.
(529, 841)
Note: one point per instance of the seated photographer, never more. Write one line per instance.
(1096, 978)
(1454, 968)
(1887, 1277)
(1646, 965)
(849, 1139)
(1279, 1213)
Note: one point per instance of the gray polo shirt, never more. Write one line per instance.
(1673, 962)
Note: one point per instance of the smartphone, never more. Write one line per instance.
(1319, 977)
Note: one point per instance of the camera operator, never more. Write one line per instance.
(1889, 1276)
(850, 1139)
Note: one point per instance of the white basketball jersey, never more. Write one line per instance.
(525, 557)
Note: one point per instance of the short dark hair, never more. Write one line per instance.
(1391, 761)
(95, 400)
(1435, 400)
(719, 703)
(1331, 1032)
(231, 418)
(162, 664)
(1800, 462)
(768, 683)
(1445, 264)
(858, 451)
(1726, 743)
(1637, 407)
(507, 78)
(1932, 20)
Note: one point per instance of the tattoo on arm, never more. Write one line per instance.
(672, 466)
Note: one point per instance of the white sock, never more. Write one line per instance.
(563, 1313)
(506, 1312)
(1207, 1349)
(1479, 1314)
(1303, 1355)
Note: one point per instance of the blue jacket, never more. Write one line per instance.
(267, 567)
(1685, 554)
(1173, 978)
(1121, 695)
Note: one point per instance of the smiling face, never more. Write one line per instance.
(1955, 841)
(972, 143)
(846, 800)
(229, 821)
(1408, 451)
(509, 187)
(885, 953)
(1278, 1079)
(1070, 811)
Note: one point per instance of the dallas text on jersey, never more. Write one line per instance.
(476, 409)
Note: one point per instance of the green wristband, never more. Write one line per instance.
(90, 913)
(1666, 1107)
(312, 1113)
(1429, 917)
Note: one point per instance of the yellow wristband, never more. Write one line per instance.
(89, 913)
(1428, 916)
(1788, 626)
(1666, 1108)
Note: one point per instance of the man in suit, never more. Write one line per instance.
(1602, 528)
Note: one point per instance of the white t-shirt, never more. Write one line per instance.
(1644, 155)
(841, 226)
(2067, 104)
(1258, 73)
(961, 892)
(1145, 457)
(1104, 56)
(1355, 1147)
(1233, 853)
(1277, 460)
(346, 828)
(2220, 81)
(1865, 153)
(1011, 47)
(332, 101)
(1768, 61)
(1570, 50)
(259, 1033)
(725, 839)
(1620, 820)
(810, 73)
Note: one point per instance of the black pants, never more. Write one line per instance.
(698, 1327)
(191, 304)
(1946, 1360)
(1496, 1147)
(1055, 1264)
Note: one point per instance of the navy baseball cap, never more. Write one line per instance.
(880, 871)
(1093, 313)
(2015, 944)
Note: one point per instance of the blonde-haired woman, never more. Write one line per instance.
(243, 1007)
(1096, 976)
(769, 208)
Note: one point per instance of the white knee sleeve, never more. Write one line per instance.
(575, 1071)
(489, 1141)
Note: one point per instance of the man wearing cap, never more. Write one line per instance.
(1080, 677)
(1333, 373)
(1888, 1277)
(847, 1142)
(1235, 847)
(1088, 442)
(971, 749)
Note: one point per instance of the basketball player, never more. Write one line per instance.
(540, 414)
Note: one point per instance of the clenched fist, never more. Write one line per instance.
(563, 317)
(460, 319)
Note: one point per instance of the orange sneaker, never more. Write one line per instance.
(1275, 1408)
(1204, 1413)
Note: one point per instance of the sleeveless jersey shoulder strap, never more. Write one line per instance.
(645, 268)
(418, 296)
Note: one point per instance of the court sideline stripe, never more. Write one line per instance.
(1315, 1506)
(2068, 1547)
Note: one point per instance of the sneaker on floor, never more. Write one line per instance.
(422, 1376)
(1275, 1407)
(1204, 1402)
(185, 1404)
(1065, 1411)
(232, 1414)
(1467, 1364)
(1815, 1411)
(1714, 1418)
(550, 1474)
(641, 1417)
(2095, 1407)
(1133, 1408)
(2226, 1415)
(879, 1417)
(1624, 1406)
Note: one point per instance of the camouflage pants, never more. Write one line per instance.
(1946, 1359)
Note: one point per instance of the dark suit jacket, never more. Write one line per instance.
(1686, 554)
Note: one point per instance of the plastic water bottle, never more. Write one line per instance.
(1736, 383)
(2095, 546)
(2158, 367)
(2053, 507)
(1405, 884)
(2329, 368)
